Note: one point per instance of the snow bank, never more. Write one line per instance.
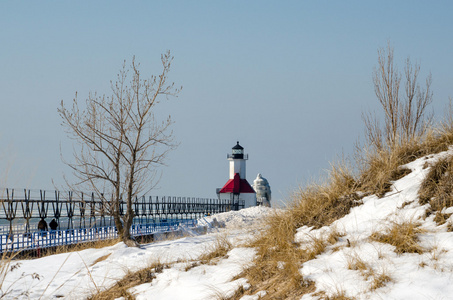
(201, 282)
(237, 219)
(77, 275)
(355, 265)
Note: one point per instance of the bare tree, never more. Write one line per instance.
(413, 117)
(120, 143)
(387, 80)
(405, 116)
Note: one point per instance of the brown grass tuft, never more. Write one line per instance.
(378, 169)
(357, 264)
(441, 218)
(377, 279)
(437, 188)
(238, 293)
(120, 289)
(219, 250)
(380, 280)
(449, 226)
(339, 295)
(99, 259)
(404, 236)
(321, 204)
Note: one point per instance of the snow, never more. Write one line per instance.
(200, 282)
(414, 276)
(77, 275)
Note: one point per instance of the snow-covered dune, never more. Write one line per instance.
(355, 266)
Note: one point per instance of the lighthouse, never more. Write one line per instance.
(237, 189)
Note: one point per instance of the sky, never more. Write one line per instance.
(289, 80)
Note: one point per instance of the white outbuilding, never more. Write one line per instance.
(263, 191)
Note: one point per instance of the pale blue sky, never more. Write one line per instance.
(288, 79)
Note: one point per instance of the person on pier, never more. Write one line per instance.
(42, 225)
(53, 225)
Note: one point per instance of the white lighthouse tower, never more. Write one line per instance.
(237, 189)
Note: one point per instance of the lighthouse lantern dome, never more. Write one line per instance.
(237, 152)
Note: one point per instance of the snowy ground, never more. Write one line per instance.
(411, 276)
(77, 275)
(404, 276)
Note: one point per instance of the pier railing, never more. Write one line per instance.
(52, 238)
(82, 216)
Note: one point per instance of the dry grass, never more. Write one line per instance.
(377, 279)
(237, 294)
(321, 204)
(438, 178)
(404, 236)
(99, 259)
(120, 289)
(441, 218)
(32, 254)
(279, 258)
(436, 260)
(219, 250)
(213, 254)
(6, 266)
(449, 226)
(437, 189)
(276, 268)
(338, 295)
(318, 245)
(380, 280)
(437, 252)
(379, 169)
(357, 264)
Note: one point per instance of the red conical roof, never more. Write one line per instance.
(237, 185)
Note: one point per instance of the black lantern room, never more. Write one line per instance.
(237, 152)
